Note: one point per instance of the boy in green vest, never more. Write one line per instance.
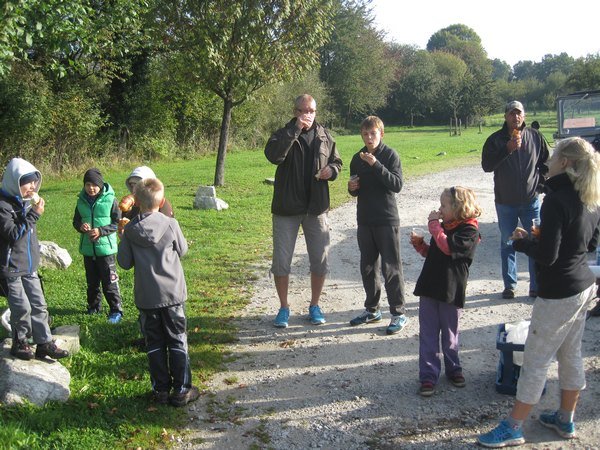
(96, 218)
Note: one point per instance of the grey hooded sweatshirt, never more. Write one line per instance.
(153, 243)
(19, 246)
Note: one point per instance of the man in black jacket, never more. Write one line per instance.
(306, 160)
(516, 154)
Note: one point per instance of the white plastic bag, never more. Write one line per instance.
(516, 333)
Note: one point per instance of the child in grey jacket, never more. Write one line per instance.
(153, 243)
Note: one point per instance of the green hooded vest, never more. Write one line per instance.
(97, 215)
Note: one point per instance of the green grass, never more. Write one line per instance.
(109, 405)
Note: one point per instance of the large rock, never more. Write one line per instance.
(206, 191)
(66, 336)
(37, 381)
(53, 256)
(210, 203)
(206, 199)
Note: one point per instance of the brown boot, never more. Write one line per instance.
(50, 349)
(21, 349)
(182, 399)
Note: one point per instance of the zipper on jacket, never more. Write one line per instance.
(29, 251)
(92, 220)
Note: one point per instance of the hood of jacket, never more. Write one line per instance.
(15, 169)
(140, 172)
(147, 229)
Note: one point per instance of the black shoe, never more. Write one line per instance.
(508, 293)
(94, 310)
(21, 349)
(595, 311)
(160, 397)
(50, 349)
(183, 399)
(140, 344)
(533, 294)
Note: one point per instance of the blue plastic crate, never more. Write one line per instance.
(508, 372)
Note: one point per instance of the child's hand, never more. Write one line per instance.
(354, 183)
(420, 247)
(434, 215)
(415, 240)
(94, 234)
(368, 158)
(39, 207)
(121, 227)
(85, 227)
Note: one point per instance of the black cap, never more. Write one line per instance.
(28, 178)
(94, 176)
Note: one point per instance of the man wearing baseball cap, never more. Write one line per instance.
(516, 154)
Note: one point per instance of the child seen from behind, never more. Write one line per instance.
(442, 284)
(153, 244)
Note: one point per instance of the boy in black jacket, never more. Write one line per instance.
(376, 178)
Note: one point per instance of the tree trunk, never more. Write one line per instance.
(348, 114)
(122, 87)
(223, 138)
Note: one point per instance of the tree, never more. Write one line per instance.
(550, 64)
(58, 36)
(586, 74)
(451, 73)
(449, 36)
(524, 69)
(238, 46)
(501, 70)
(354, 63)
(476, 91)
(554, 86)
(11, 29)
(415, 86)
(462, 41)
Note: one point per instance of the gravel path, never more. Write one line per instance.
(340, 387)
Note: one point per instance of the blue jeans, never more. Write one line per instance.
(508, 220)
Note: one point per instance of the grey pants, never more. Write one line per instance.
(380, 255)
(556, 329)
(28, 309)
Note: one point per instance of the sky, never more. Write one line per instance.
(509, 31)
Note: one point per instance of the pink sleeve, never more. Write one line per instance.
(437, 232)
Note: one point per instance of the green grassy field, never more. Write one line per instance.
(109, 405)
